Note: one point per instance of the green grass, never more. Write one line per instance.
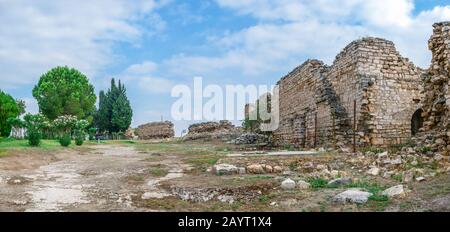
(157, 171)
(375, 150)
(317, 183)
(8, 143)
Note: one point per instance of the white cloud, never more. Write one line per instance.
(141, 75)
(290, 31)
(38, 35)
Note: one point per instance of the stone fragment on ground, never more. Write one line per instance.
(225, 169)
(395, 191)
(288, 184)
(374, 171)
(301, 184)
(340, 181)
(352, 196)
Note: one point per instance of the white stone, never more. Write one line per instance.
(352, 196)
(420, 179)
(226, 199)
(396, 191)
(303, 184)
(225, 169)
(340, 181)
(321, 167)
(334, 173)
(242, 171)
(288, 184)
(374, 171)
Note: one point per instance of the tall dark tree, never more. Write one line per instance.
(115, 111)
(65, 91)
(8, 109)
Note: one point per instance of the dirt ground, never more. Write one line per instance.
(174, 177)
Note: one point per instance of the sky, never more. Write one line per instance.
(153, 45)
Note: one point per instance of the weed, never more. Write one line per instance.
(424, 149)
(317, 183)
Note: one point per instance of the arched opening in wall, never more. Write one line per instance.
(416, 122)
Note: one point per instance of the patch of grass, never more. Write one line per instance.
(398, 177)
(289, 147)
(424, 149)
(9, 143)
(378, 198)
(373, 188)
(317, 183)
(2, 153)
(157, 171)
(266, 198)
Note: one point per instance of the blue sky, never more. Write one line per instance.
(154, 45)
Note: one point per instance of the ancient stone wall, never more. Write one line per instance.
(222, 130)
(436, 104)
(156, 130)
(317, 101)
(210, 127)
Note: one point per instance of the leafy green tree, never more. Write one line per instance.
(8, 109)
(115, 111)
(65, 91)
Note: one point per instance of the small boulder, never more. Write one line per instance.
(374, 171)
(352, 196)
(225, 169)
(288, 184)
(303, 184)
(277, 169)
(340, 181)
(420, 179)
(255, 169)
(321, 167)
(396, 191)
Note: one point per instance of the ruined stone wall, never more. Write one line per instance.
(156, 130)
(436, 106)
(222, 130)
(210, 127)
(386, 88)
(370, 71)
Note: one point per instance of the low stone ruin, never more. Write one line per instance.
(436, 105)
(156, 130)
(223, 130)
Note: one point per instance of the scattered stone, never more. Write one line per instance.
(225, 169)
(226, 199)
(374, 171)
(438, 157)
(334, 173)
(396, 191)
(242, 171)
(408, 177)
(288, 184)
(321, 167)
(251, 138)
(303, 184)
(340, 181)
(255, 169)
(352, 196)
(420, 179)
(20, 202)
(274, 204)
(268, 168)
(277, 169)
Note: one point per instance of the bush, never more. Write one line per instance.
(79, 138)
(92, 132)
(34, 138)
(65, 140)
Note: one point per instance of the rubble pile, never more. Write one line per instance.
(156, 130)
(251, 138)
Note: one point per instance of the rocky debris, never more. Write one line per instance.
(420, 179)
(352, 196)
(226, 199)
(222, 130)
(340, 181)
(374, 171)
(20, 202)
(301, 184)
(225, 169)
(396, 191)
(156, 130)
(436, 103)
(194, 195)
(288, 184)
(251, 138)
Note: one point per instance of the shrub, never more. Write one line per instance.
(34, 138)
(79, 138)
(92, 132)
(65, 140)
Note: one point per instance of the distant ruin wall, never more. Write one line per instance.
(156, 130)
(436, 106)
(222, 130)
(210, 127)
(317, 101)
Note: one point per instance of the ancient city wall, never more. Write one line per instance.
(317, 102)
(156, 130)
(436, 106)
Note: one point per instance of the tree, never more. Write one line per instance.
(114, 113)
(65, 91)
(8, 109)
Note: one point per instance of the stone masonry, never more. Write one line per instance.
(317, 101)
(436, 106)
(156, 130)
